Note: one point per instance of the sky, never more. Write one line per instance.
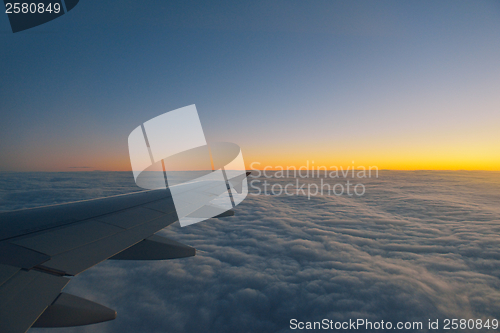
(399, 85)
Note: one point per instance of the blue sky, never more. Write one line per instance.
(376, 82)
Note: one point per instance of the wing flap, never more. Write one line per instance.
(77, 260)
(18, 256)
(18, 308)
(59, 240)
(6, 272)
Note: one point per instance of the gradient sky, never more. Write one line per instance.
(399, 85)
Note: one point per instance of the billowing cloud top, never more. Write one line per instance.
(416, 246)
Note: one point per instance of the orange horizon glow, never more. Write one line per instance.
(277, 165)
(273, 157)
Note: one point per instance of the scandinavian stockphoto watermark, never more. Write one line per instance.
(310, 180)
(170, 151)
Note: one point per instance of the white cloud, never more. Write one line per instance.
(416, 246)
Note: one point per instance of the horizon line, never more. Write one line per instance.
(284, 170)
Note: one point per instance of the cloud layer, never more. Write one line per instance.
(416, 246)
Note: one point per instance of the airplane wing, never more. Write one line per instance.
(41, 248)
